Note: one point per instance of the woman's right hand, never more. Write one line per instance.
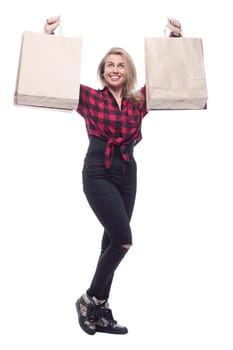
(51, 24)
(175, 26)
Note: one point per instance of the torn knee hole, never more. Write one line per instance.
(126, 246)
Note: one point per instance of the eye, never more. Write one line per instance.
(109, 65)
(121, 66)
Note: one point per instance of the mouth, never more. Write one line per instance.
(114, 77)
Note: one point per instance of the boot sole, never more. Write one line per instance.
(110, 330)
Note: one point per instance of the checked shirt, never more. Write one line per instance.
(104, 119)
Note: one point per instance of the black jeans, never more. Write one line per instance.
(111, 195)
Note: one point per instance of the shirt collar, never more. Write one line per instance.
(108, 93)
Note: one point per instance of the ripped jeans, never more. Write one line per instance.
(111, 195)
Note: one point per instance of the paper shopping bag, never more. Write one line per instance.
(175, 73)
(48, 71)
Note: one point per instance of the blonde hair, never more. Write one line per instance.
(129, 89)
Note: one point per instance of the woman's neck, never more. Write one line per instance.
(117, 94)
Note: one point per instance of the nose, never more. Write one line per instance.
(115, 68)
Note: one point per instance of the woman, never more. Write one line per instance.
(113, 119)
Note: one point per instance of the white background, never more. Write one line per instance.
(174, 288)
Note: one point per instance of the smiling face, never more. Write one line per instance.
(115, 72)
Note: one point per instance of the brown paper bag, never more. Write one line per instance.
(175, 74)
(49, 71)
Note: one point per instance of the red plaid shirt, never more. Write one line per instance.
(105, 120)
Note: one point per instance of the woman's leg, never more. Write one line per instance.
(113, 205)
(128, 195)
(107, 204)
(128, 199)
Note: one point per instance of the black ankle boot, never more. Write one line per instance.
(88, 310)
(106, 322)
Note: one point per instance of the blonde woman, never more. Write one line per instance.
(113, 118)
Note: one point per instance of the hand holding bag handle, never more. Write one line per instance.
(175, 28)
(51, 24)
